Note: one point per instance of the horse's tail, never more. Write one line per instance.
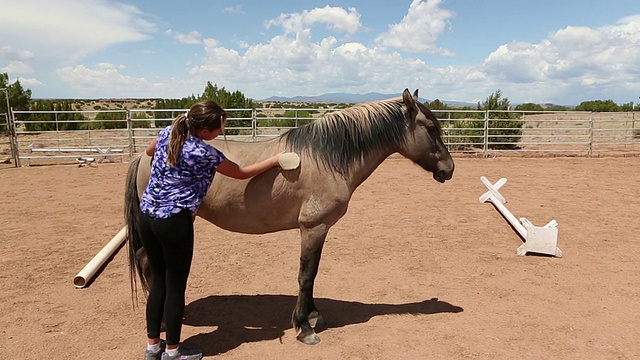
(131, 214)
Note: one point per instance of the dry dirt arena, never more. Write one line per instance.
(414, 270)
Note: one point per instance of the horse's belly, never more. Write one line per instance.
(231, 206)
(247, 220)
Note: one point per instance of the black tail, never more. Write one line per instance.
(131, 213)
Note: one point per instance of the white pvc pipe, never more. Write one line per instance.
(92, 267)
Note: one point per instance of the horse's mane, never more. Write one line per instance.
(340, 138)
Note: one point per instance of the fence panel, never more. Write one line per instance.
(615, 133)
(63, 136)
(44, 137)
(545, 133)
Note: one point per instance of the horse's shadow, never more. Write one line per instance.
(250, 318)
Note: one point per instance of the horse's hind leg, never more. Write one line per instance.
(305, 315)
(141, 257)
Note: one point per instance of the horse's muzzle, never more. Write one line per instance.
(441, 176)
(444, 173)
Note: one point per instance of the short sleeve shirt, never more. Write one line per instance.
(183, 186)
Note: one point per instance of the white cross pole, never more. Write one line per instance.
(537, 239)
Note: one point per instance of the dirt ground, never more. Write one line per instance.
(414, 270)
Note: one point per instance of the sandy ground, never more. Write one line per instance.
(414, 270)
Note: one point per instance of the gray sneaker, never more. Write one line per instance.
(184, 354)
(151, 355)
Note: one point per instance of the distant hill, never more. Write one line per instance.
(334, 98)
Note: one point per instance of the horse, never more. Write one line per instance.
(338, 152)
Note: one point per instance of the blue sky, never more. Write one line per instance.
(561, 51)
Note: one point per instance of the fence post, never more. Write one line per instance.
(485, 145)
(254, 124)
(590, 148)
(14, 137)
(130, 133)
(11, 136)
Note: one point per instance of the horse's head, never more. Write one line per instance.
(424, 143)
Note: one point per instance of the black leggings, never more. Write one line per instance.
(169, 246)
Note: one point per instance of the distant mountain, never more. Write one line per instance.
(334, 98)
(341, 98)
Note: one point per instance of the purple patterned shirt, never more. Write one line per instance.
(172, 189)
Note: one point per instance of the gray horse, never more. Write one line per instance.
(338, 152)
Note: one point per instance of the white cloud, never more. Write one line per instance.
(192, 38)
(575, 60)
(237, 9)
(17, 67)
(71, 29)
(26, 82)
(16, 61)
(11, 54)
(335, 18)
(571, 63)
(40, 35)
(105, 79)
(419, 30)
(298, 64)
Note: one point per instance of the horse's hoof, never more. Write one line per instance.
(309, 339)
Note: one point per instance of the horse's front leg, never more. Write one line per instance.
(305, 315)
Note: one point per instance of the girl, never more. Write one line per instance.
(182, 170)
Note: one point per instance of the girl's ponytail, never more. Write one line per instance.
(203, 115)
(178, 136)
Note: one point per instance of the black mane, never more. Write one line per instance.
(341, 138)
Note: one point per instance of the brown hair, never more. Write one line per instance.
(203, 115)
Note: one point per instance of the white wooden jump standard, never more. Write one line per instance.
(104, 154)
(541, 240)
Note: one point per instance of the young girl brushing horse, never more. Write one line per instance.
(182, 170)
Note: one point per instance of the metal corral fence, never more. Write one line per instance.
(38, 137)
(534, 133)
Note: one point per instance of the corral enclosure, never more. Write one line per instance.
(415, 269)
(117, 134)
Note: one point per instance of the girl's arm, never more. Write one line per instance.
(152, 147)
(233, 170)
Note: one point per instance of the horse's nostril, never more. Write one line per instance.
(442, 175)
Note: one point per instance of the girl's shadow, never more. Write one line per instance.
(249, 318)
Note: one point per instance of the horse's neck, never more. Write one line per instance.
(362, 169)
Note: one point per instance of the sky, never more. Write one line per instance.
(544, 51)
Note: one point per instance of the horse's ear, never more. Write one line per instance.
(409, 102)
(415, 96)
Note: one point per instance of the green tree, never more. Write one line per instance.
(19, 98)
(529, 107)
(173, 108)
(436, 105)
(558, 108)
(110, 120)
(227, 100)
(627, 107)
(598, 106)
(504, 130)
(42, 119)
(58, 116)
